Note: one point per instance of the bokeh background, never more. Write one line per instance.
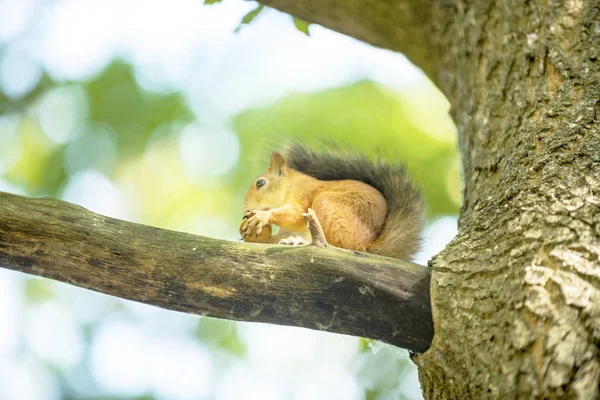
(159, 112)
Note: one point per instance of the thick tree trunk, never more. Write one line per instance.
(516, 295)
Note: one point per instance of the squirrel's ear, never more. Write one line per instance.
(278, 164)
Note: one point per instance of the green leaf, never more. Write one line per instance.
(220, 334)
(211, 2)
(302, 25)
(250, 17)
(38, 290)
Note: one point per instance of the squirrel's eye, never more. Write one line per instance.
(261, 182)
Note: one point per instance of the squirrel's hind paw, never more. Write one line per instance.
(293, 241)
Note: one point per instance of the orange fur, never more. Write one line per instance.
(352, 213)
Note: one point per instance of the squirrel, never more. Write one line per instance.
(362, 205)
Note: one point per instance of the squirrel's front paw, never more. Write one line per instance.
(293, 241)
(254, 222)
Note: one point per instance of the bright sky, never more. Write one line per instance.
(180, 45)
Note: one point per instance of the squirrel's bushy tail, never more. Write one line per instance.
(400, 234)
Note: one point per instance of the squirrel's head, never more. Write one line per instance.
(269, 189)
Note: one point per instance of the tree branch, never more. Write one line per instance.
(399, 25)
(326, 289)
(316, 230)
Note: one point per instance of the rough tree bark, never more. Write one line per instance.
(516, 295)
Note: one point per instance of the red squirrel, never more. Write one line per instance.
(362, 205)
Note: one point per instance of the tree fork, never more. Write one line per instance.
(326, 289)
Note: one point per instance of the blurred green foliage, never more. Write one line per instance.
(364, 116)
(132, 136)
(112, 99)
(220, 333)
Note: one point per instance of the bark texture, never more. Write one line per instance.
(516, 295)
(329, 289)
